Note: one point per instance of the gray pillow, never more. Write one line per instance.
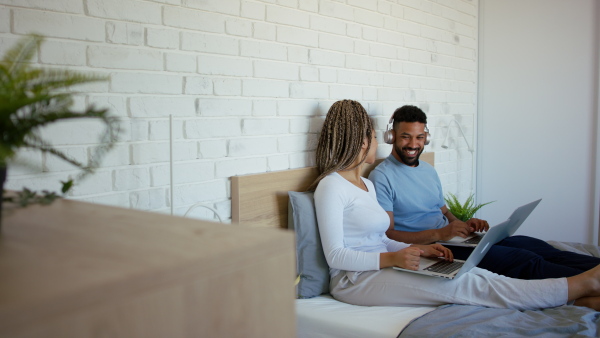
(312, 267)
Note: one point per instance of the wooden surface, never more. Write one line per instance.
(75, 269)
(262, 199)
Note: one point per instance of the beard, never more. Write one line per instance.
(408, 160)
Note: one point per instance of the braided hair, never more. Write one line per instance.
(345, 128)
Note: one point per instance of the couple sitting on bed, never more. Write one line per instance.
(353, 227)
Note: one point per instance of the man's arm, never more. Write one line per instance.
(453, 229)
(475, 224)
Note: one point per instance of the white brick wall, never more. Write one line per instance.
(248, 83)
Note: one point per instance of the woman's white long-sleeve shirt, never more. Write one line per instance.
(352, 225)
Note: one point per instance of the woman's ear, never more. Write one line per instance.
(365, 144)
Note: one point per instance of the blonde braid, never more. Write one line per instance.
(345, 127)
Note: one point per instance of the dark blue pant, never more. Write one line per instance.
(530, 258)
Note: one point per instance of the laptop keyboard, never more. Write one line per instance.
(474, 240)
(445, 267)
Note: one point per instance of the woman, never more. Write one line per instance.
(360, 256)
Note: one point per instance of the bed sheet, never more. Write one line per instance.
(323, 316)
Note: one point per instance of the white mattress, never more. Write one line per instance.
(324, 316)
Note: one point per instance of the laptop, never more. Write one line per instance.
(519, 215)
(438, 267)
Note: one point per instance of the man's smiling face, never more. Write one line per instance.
(409, 142)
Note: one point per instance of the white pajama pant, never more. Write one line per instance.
(389, 287)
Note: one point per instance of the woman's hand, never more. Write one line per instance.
(435, 250)
(407, 258)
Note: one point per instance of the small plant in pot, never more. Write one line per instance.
(33, 97)
(464, 211)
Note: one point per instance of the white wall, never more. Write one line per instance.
(248, 83)
(538, 114)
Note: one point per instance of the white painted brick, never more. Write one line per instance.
(131, 179)
(369, 93)
(298, 54)
(125, 10)
(390, 23)
(264, 108)
(389, 94)
(4, 20)
(354, 31)
(209, 128)
(227, 87)
(309, 5)
(414, 15)
(192, 19)
(327, 24)
(327, 75)
(298, 108)
(148, 199)
(288, 3)
(63, 53)
(396, 81)
(73, 132)
(180, 62)
(296, 143)
(213, 148)
(287, 16)
(118, 156)
(384, 51)
(366, 4)
(115, 104)
(369, 33)
(361, 47)
(336, 10)
(67, 6)
(264, 126)
(252, 146)
(217, 44)
(238, 27)
(309, 74)
(408, 27)
(297, 36)
(266, 88)
(337, 43)
(397, 11)
(139, 130)
(217, 65)
(302, 160)
(368, 18)
(352, 77)
(26, 162)
(195, 193)
(197, 85)
(58, 25)
(98, 183)
(53, 163)
(145, 153)
(360, 62)
(278, 162)
(415, 42)
(326, 58)
(182, 173)
(264, 31)
(160, 130)
(276, 70)
(162, 106)
(124, 58)
(241, 166)
(300, 125)
(162, 38)
(390, 38)
(338, 92)
(263, 50)
(224, 107)
(185, 151)
(384, 7)
(420, 56)
(124, 33)
(411, 68)
(146, 83)
(253, 10)
(309, 91)
(231, 7)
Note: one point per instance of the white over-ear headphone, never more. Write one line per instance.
(388, 136)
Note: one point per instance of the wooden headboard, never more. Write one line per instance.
(262, 199)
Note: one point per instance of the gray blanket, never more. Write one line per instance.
(476, 321)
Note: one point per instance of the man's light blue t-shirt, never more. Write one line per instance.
(414, 194)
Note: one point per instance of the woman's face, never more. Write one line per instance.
(371, 156)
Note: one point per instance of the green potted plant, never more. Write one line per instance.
(33, 97)
(465, 211)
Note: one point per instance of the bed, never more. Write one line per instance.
(279, 199)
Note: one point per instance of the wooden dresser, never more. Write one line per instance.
(75, 269)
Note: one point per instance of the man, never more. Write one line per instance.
(411, 193)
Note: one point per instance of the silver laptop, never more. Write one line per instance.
(438, 267)
(520, 214)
